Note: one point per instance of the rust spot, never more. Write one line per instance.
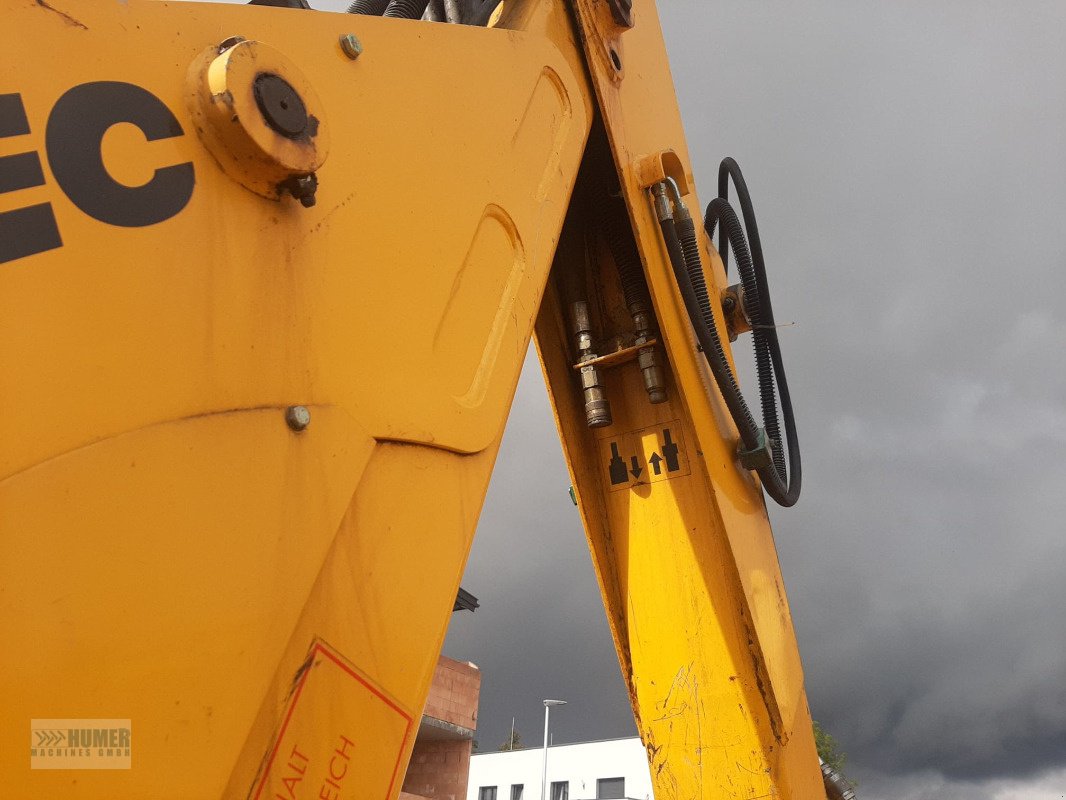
(760, 684)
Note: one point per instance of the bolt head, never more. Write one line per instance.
(297, 417)
(302, 187)
(351, 46)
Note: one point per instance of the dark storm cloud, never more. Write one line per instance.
(910, 159)
(928, 784)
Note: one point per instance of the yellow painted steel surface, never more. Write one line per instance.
(687, 565)
(265, 604)
(170, 551)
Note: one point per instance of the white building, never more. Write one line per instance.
(612, 768)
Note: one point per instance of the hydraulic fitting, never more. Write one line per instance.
(652, 373)
(597, 407)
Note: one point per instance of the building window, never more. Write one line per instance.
(516, 791)
(560, 790)
(486, 793)
(610, 788)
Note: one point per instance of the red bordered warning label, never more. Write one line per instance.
(341, 738)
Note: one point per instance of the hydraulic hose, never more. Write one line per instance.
(727, 170)
(733, 234)
(406, 9)
(764, 328)
(614, 223)
(764, 331)
(462, 12)
(683, 248)
(694, 292)
(619, 236)
(836, 785)
(372, 8)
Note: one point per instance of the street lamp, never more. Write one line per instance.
(544, 778)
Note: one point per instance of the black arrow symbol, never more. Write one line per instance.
(656, 460)
(617, 467)
(670, 452)
(635, 467)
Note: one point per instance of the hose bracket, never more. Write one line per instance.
(760, 456)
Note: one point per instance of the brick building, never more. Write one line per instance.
(440, 763)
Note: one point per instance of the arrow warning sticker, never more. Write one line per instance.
(646, 455)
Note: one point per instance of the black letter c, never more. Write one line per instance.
(76, 128)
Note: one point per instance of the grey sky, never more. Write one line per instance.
(909, 171)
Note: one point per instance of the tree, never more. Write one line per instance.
(829, 749)
(514, 742)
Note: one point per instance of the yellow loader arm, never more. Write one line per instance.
(267, 278)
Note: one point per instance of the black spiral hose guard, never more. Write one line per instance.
(465, 12)
(614, 222)
(372, 8)
(773, 384)
(713, 348)
(733, 235)
(782, 480)
(406, 9)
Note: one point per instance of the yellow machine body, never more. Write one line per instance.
(244, 443)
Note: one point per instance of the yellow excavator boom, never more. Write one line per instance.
(267, 279)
